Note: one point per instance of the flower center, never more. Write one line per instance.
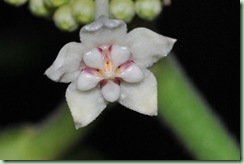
(107, 66)
(107, 62)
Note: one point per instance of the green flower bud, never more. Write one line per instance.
(16, 3)
(83, 11)
(64, 20)
(38, 8)
(55, 3)
(122, 9)
(148, 9)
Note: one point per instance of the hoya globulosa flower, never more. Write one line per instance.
(110, 65)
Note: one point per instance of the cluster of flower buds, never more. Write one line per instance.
(68, 15)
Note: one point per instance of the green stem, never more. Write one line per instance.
(41, 142)
(189, 117)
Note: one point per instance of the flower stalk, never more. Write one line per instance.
(42, 141)
(189, 117)
(102, 8)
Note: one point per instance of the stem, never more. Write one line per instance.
(102, 8)
(45, 142)
(189, 117)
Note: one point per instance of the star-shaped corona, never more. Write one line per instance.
(108, 66)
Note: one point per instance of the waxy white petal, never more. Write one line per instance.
(119, 54)
(87, 81)
(93, 59)
(147, 47)
(131, 74)
(84, 106)
(103, 31)
(111, 91)
(67, 65)
(140, 97)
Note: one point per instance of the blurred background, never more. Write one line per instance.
(208, 48)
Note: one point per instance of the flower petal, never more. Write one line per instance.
(87, 81)
(67, 65)
(140, 97)
(111, 91)
(119, 54)
(147, 47)
(103, 31)
(84, 106)
(132, 74)
(93, 59)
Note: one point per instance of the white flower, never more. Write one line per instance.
(110, 65)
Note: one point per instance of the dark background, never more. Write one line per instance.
(208, 48)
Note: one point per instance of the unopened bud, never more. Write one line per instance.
(148, 9)
(55, 3)
(16, 3)
(38, 8)
(122, 9)
(64, 20)
(83, 11)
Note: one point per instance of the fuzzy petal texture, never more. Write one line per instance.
(67, 65)
(103, 31)
(141, 97)
(147, 47)
(84, 106)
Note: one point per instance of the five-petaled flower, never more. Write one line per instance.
(110, 65)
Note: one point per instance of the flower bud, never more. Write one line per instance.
(64, 20)
(148, 9)
(38, 8)
(16, 3)
(83, 11)
(122, 9)
(55, 3)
